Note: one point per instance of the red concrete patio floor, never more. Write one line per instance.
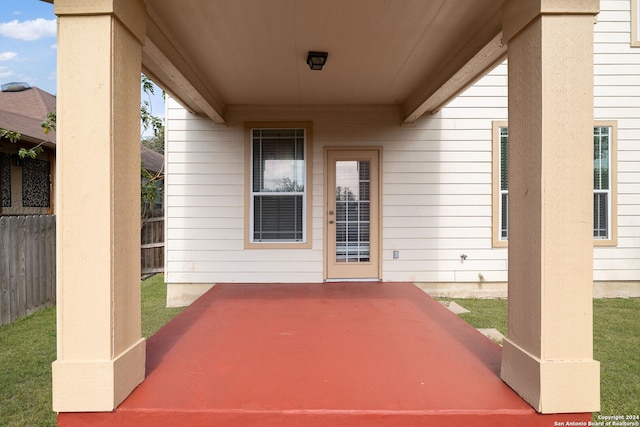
(334, 354)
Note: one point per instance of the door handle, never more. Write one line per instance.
(330, 221)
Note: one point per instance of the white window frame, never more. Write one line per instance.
(502, 219)
(497, 211)
(250, 242)
(611, 181)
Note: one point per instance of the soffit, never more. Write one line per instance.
(252, 52)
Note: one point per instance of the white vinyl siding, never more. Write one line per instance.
(436, 193)
(617, 97)
(437, 181)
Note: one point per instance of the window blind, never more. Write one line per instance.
(278, 185)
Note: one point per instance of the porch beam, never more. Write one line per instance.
(165, 66)
(100, 351)
(548, 353)
(484, 61)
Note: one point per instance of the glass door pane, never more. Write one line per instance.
(353, 207)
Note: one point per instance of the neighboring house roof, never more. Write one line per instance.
(24, 111)
(152, 160)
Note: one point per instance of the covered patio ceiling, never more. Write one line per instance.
(413, 53)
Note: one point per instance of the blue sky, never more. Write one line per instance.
(28, 47)
(28, 43)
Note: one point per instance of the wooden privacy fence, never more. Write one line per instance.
(27, 265)
(152, 248)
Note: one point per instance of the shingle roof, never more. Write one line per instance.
(24, 111)
(152, 160)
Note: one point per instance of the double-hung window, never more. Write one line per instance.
(278, 193)
(602, 174)
(604, 195)
(504, 182)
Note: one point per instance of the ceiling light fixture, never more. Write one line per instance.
(316, 60)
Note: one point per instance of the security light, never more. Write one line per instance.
(316, 60)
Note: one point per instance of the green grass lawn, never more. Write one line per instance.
(155, 314)
(27, 348)
(616, 342)
(616, 335)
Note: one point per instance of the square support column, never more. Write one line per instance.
(101, 355)
(548, 353)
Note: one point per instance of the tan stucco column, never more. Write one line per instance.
(548, 354)
(101, 355)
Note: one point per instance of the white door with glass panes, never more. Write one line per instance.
(352, 214)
